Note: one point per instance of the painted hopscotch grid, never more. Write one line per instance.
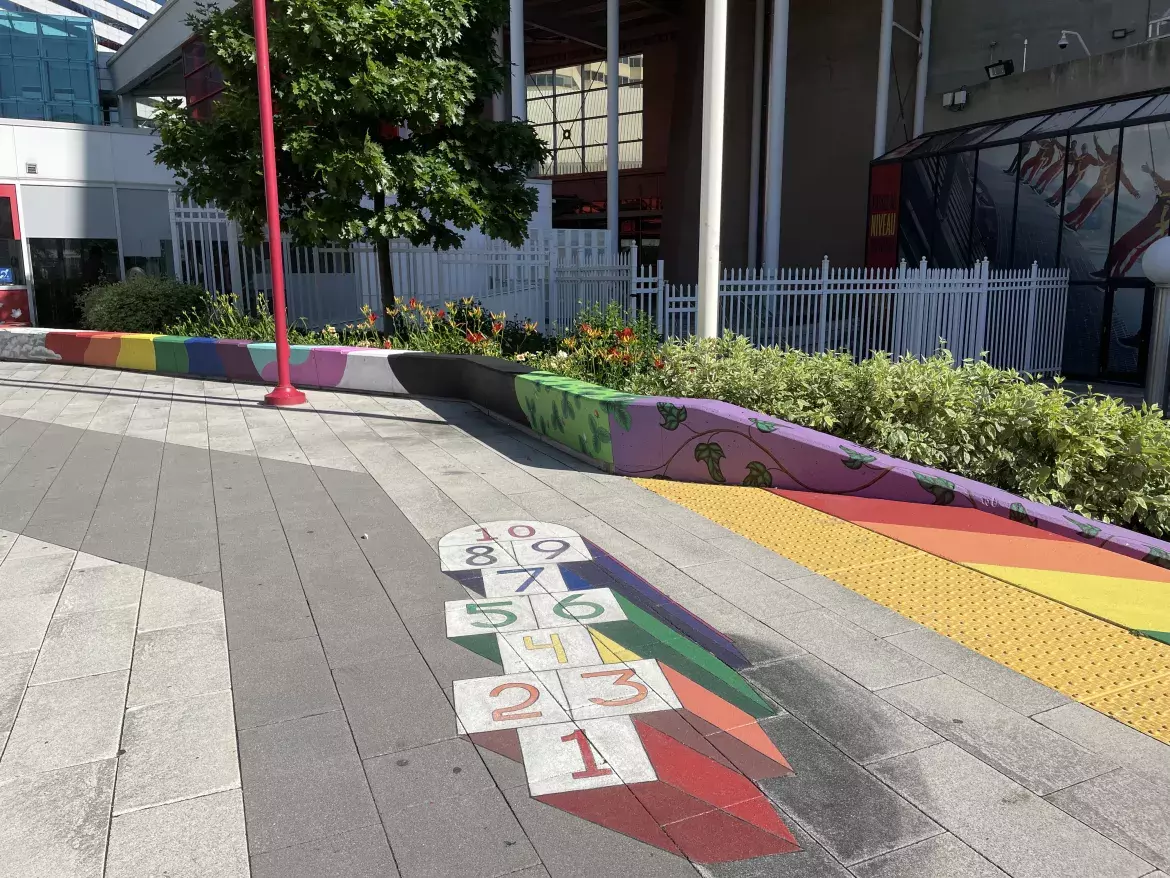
(624, 708)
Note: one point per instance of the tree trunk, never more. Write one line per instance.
(385, 274)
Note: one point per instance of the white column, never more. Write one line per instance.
(516, 33)
(127, 109)
(923, 77)
(711, 169)
(499, 109)
(885, 41)
(757, 127)
(612, 92)
(777, 93)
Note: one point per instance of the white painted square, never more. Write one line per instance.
(484, 616)
(617, 690)
(548, 649)
(550, 550)
(510, 701)
(586, 607)
(477, 556)
(545, 578)
(617, 753)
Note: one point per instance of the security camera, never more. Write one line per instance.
(1062, 43)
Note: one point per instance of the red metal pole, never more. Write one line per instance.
(284, 393)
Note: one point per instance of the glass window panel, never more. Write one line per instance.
(995, 199)
(568, 106)
(934, 144)
(1061, 122)
(632, 67)
(1088, 207)
(905, 148)
(630, 154)
(1114, 112)
(916, 227)
(1157, 107)
(952, 213)
(595, 132)
(972, 135)
(539, 112)
(630, 99)
(1143, 213)
(545, 133)
(593, 76)
(1017, 129)
(1123, 353)
(62, 268)
(569, 134)
(1082, 330)
(595, 103)
(568, 78)
(1037, 217)
(595, 158)
(630, 127)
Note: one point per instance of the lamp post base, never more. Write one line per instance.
(284, 395)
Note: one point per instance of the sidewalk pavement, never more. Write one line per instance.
(225, 650)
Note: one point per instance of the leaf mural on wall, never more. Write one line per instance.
(758, 475)
(1085, 530)
(600, 435)
(556, 420)
(943, 490)
(620, 411)
(1157, 556)
(764, 426)
(1018, 512)
(711, 453)
(672, 415)
(855, 459)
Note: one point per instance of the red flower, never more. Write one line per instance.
(475, 337)
(371, 319)
(388, 345)
(442, 315)
(659, 363)
(497, 327)
(413, 303)
(626, 335)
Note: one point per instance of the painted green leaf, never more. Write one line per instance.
(542, 426)
(1086, 531)
(530, 407)
(764, 426)
(672, 415)
(711, 453)
(600, 435)
(758, 475)
(566, 405)
(621, 411)
(1157, 556)
(558, 422)
(1018, 512)
(855, 459)
(943, 490)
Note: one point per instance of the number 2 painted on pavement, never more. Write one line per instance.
(505, 714)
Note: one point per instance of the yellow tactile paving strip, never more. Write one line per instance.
(1085, 658)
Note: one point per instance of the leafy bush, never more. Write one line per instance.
(139, 304)
(220, 315)
(604, 347)
(1092, 454)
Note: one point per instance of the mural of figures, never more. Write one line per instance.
(1144, 217)
(1105, 186)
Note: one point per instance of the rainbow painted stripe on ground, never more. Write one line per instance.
(1113, 587)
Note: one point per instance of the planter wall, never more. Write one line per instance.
(682, 439)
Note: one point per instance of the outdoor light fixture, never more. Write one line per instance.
(999, 69)
(955, 100)
(1120, 33)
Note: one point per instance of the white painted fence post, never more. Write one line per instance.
(822, 306)
(1030, 330)
(633, 279)
(552, 305)
(660, 282)
(981, 326)
(233, 248)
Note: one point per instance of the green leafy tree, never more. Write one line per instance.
(346, 77)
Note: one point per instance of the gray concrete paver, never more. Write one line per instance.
(359, 853)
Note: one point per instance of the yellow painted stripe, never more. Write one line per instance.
(1090, 660)
(612, 653)
(1137, 604)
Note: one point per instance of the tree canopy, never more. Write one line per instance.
(345, 76)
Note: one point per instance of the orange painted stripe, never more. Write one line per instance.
(864, 511)
(723, 714)
(964, 547)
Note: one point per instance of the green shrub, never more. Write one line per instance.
(220, 315)
(1092, 454)
(139, 304)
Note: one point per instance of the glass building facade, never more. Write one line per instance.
(48, 68)
(1084, 188)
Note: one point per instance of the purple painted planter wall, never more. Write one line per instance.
(694, 440)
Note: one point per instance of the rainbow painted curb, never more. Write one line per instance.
(691, 440)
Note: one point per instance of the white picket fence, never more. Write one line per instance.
(548, 279)
(1015, 317)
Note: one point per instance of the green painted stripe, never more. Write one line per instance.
(1163, 636)
(486, 645)
(170, 354)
